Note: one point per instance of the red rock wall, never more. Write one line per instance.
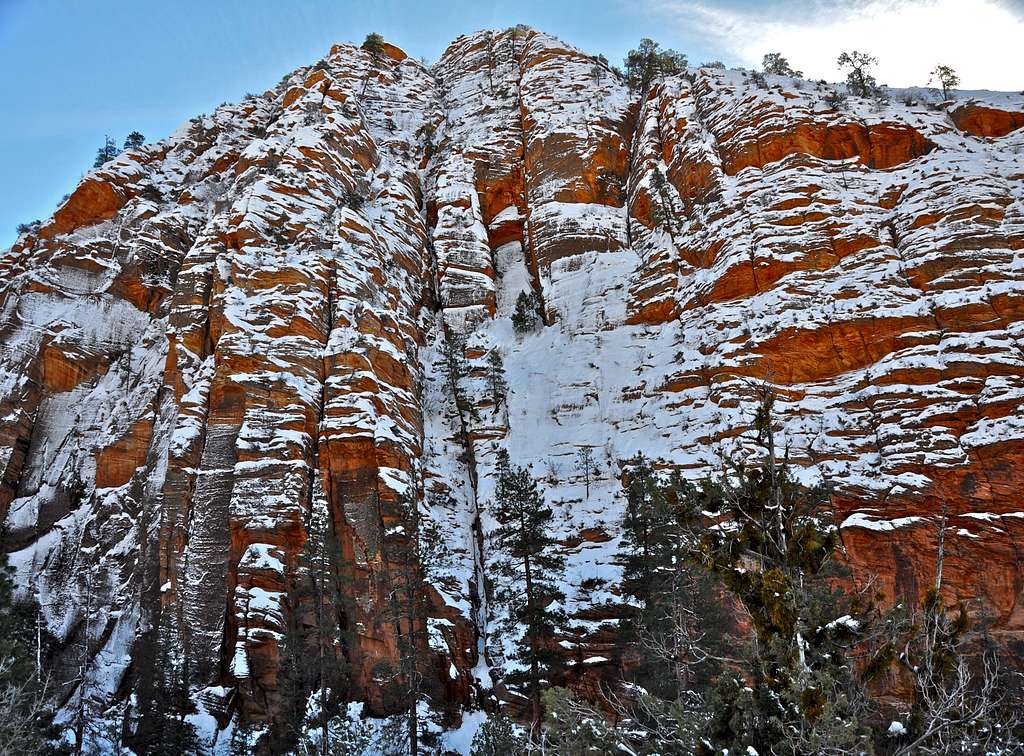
(216, 330)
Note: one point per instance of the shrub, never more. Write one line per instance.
(352, 199)
(836, 99)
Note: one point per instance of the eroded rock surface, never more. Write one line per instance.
(218, 331)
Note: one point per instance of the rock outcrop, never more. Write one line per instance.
(219, 332)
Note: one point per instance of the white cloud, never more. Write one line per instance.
(980, 39)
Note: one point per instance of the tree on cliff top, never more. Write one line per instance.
(134, 140)
(648, 62)
(947, 79)
(105, 153)
(859, 79)
(374, 44)
(529, 567)
(774, 63)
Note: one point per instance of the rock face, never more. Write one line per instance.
(218, 331)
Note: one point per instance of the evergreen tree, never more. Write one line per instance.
(530, 568)
(455, 368)
(679, 625)
(374, 44)
(498, 736)
(414, 559)
(585, 464)
(774, 63)
(662, 208)
(496, 382)
(947, 79)
(26, 706)
(171, 703)
(859, 79)
(243, 737)
(105, 153)
(312, 655)
(134, 140)
(648, 62)
(525, 319)
(774, 552)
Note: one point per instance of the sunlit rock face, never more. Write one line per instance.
(221, 331)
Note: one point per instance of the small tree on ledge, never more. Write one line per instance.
(525, 317)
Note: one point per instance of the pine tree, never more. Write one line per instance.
(455, 368)
(679, 625)
(498, 736)
(26, 706)
(313, 657)
(585, 464)
(774, 552)
(105, 153)
(171, 703)
(525, 319)
(947, 79)
(496, 382)
(374, 44)
(414, 558)
(134, 140)
(648, 63)
(243, 737)
(662, 208)
(530, 568)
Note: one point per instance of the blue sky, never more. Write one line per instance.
(72, 71)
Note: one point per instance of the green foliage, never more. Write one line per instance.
(774, 63)
(572, 728)
(679, 623)
(312, 656)
(836, 99)
(352, 199)
(662, 208)
(498, 736)
(713, 64)
(525, 318)
(859, 80)
(426, 133)
(773, 550)
(415, 551)
(585, 464)
(171, 704)
(26, 708)
(529, 567)
(496, 383)
(455, 368)
(947, 79)
(134, 140)
(374, 44)
(647, 63)
(105, 153)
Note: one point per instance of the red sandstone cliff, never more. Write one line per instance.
(213, 332)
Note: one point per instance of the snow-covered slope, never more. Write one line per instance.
(220, 330)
